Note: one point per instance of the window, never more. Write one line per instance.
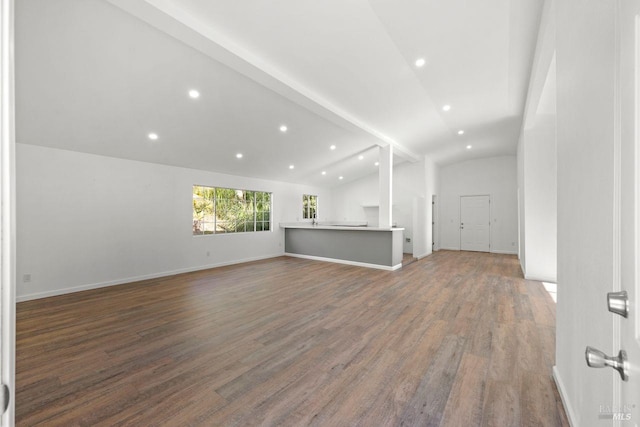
(227, 210)
(309, 206)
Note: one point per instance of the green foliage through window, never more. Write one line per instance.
(227, 210)
(309, 206)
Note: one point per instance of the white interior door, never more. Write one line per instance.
(628, 337)
(598, 233)
(624, 302)
(7, 216)
(475, 223)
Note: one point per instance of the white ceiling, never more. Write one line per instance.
(98, 75)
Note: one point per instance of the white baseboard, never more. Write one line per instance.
(342, 261)
(565, 399)
(540, 278)
(424, 255)
(445, 248)
(56, 292)
(497, 251)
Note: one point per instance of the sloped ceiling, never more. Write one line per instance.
(98, 76)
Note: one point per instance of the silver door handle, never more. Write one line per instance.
(597, 359)
(618, 303)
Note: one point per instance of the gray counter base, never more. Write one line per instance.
(372, 249)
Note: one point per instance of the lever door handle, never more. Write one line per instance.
(597, 359)
(618, 303)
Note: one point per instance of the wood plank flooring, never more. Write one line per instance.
(408, 259)
(455, 339)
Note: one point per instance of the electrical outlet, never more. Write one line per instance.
(26, 278)
(408, 239)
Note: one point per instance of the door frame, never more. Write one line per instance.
(626, 169)
(434, 223)
(7, 211)
(460, 218)
(519, 228)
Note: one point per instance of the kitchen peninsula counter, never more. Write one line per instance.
(345, 243)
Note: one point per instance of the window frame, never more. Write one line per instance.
(307, 206)
(256, 225)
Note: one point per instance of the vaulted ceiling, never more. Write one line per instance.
(99, 76)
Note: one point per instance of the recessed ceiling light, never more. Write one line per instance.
(360, 157)
(291, 166)
(468, 147)
(446, 107)
(420, 62)
(194, 94)
(460, 132)
(239, 155)
(340, 177)
(153, 136)
(377, 163)
(283, 128)
(333, 147)
(324, 172)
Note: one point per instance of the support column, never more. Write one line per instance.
(385, 176)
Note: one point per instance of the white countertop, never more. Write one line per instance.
(309, 226)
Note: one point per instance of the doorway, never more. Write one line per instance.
(475, 223)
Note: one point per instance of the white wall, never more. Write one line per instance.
(86, 221)
(413, 183)
(522, 221)
(432, 189)
(537, 161)
(497, 177)
(424, 233)
(356, 201)
(408, 183)
(540, 199)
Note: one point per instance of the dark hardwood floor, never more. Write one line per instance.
(408, 259)
(455, 339)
